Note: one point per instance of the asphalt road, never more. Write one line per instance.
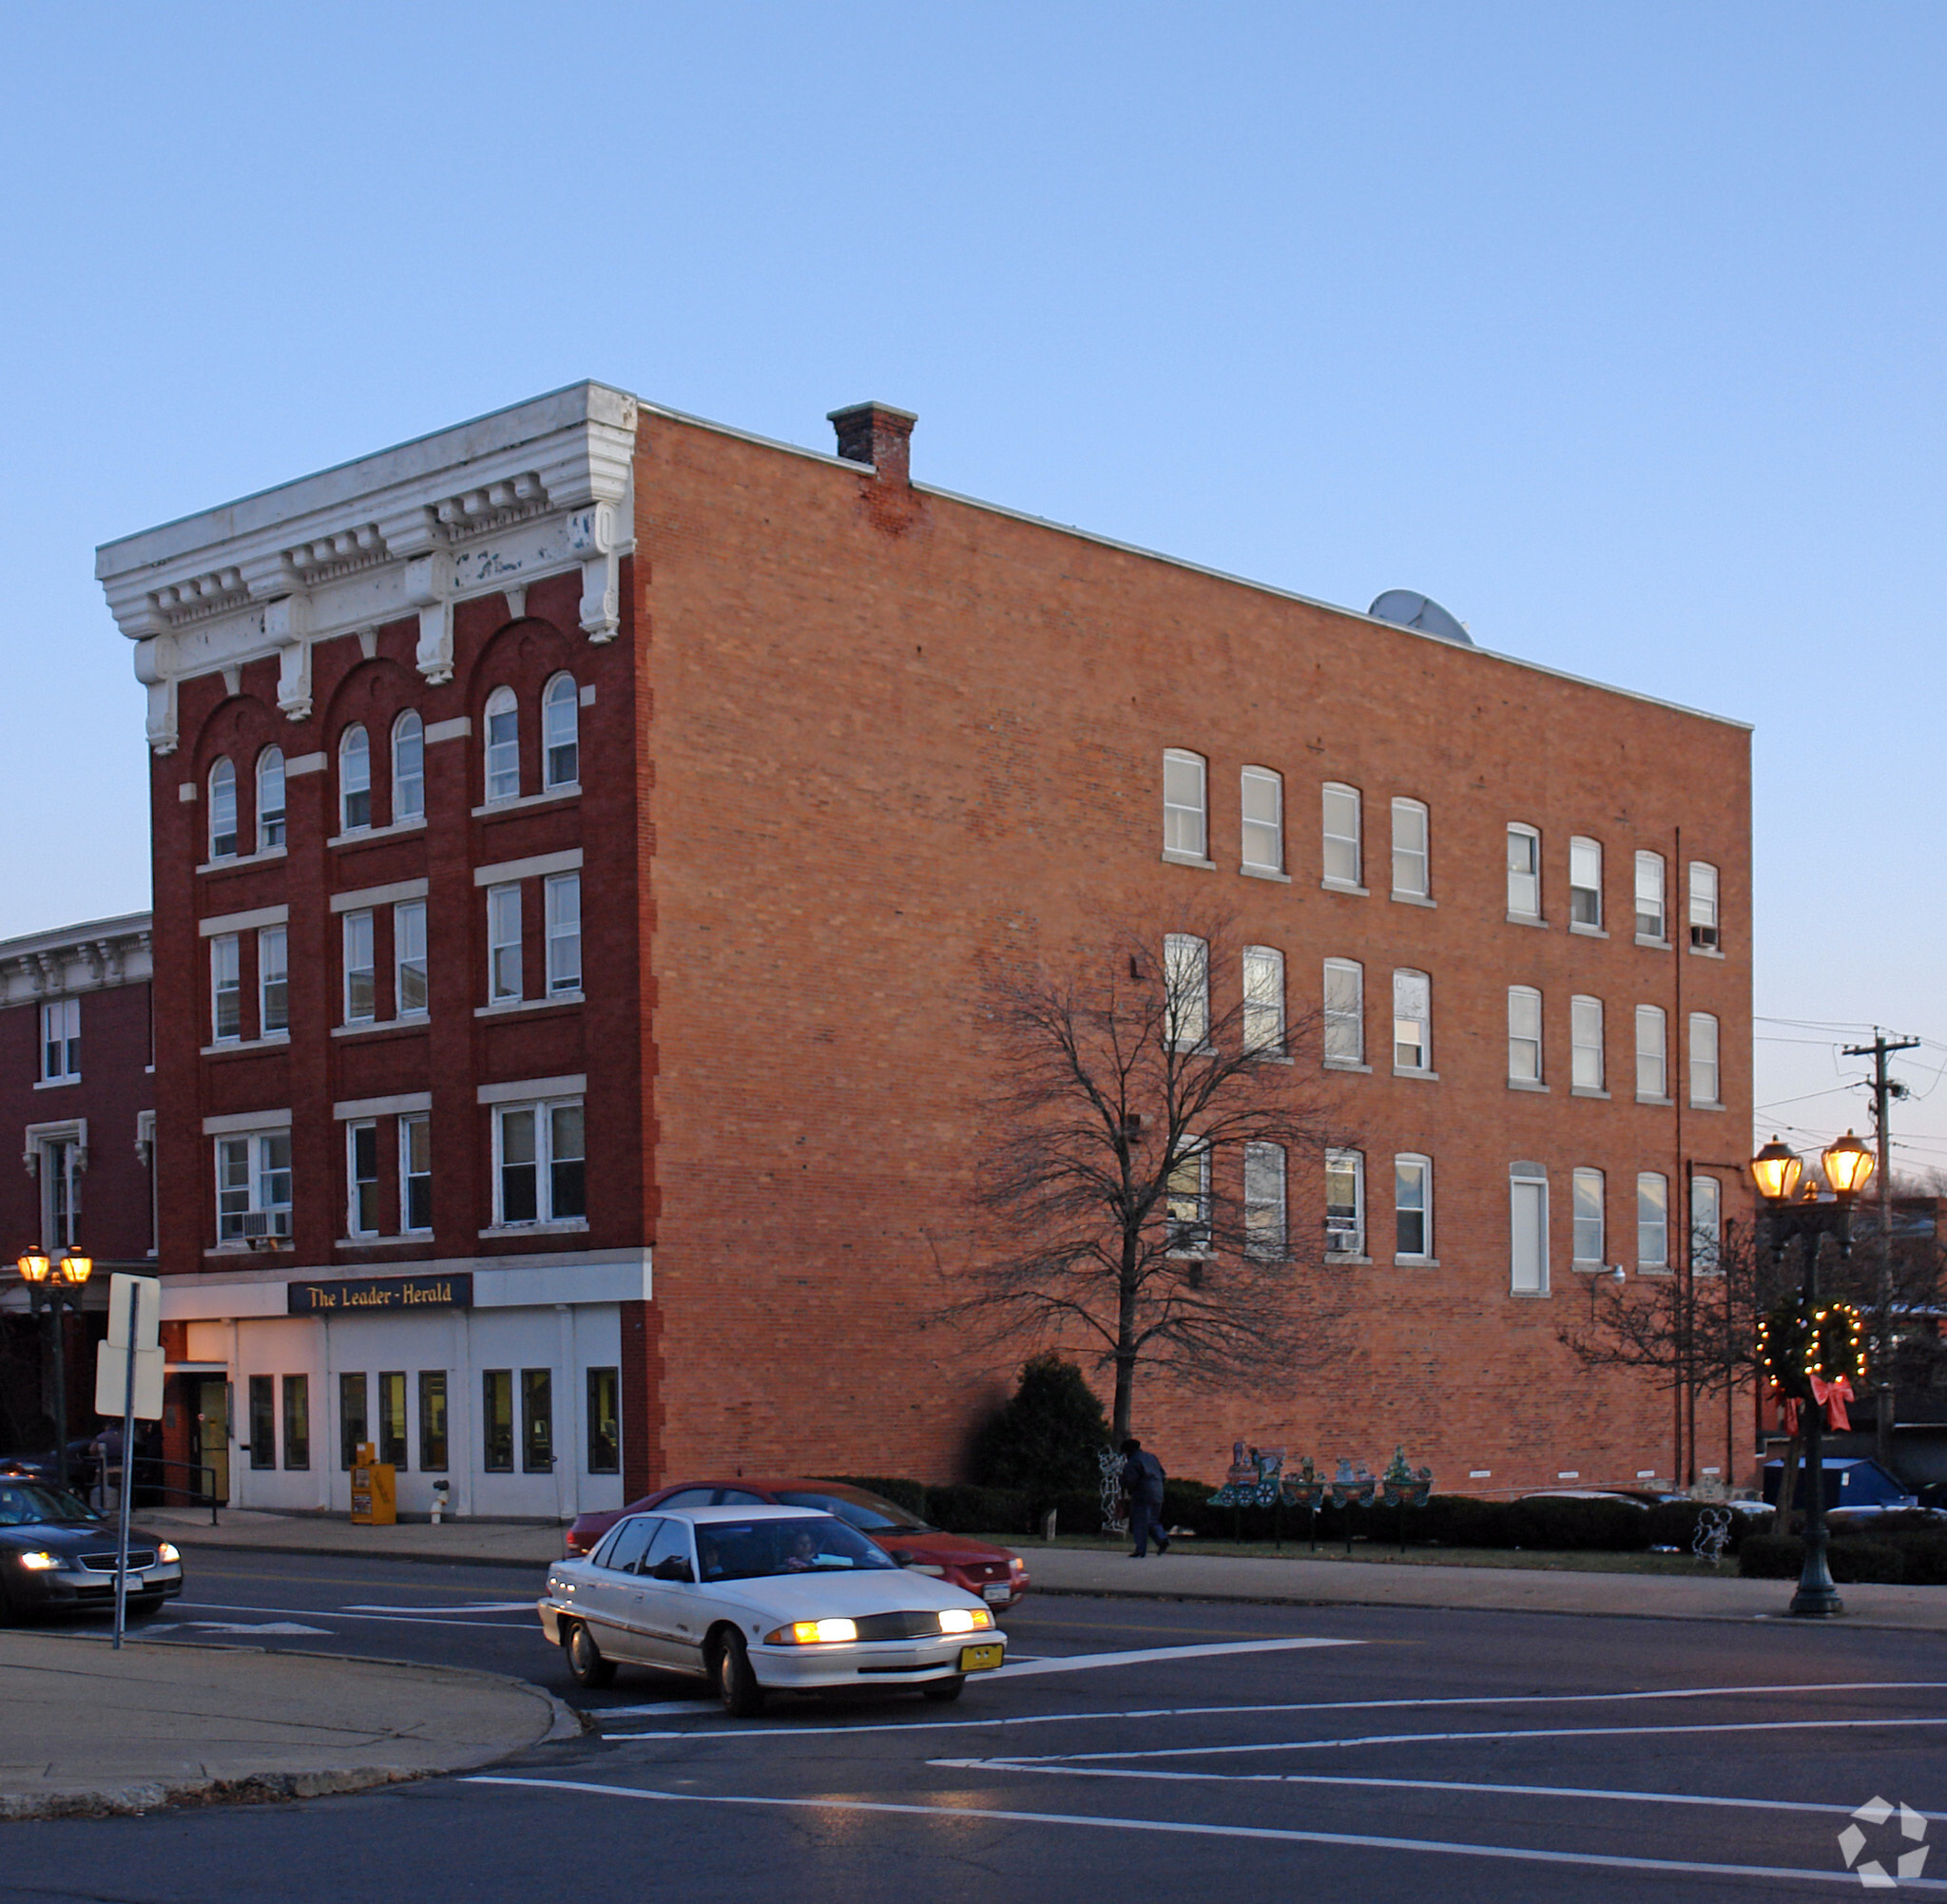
(1354, 1753)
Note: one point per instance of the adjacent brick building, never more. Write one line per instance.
(578, 835)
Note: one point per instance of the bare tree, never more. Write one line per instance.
(1138, 1183)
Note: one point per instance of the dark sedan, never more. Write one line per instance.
(58, 1555)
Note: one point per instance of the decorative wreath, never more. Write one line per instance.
(1797, 1345)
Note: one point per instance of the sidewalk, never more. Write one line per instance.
(463, 1543)
(87, 1731)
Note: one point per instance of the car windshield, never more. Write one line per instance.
(28, 1503)
(760, 1550)
(869, 1513)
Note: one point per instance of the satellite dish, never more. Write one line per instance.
(1405, 609)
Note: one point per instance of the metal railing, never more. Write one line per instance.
(150, 1475)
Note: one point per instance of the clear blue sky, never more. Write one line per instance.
(1616, 329)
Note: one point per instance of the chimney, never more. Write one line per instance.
(879, 434)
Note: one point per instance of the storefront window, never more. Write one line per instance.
(296, 1421)
(604, 1423)
(537, 1421)
(496, 1412)
(432, 1421)
(264, 1421)
(354, 1428)
(392, 1419)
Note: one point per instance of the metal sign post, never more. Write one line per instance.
(127, 1462)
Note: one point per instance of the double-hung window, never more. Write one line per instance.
(1186, 830)
(1344, 1202)
(503, 745)
(1585, 1043)
(1589, 1219)
(1585, 884)
(355, 781)
(1704, 936)
(1706, 1225)
(539, 1164)
(1264, 1201)
(1412, 1029)
(1705, 1085)
(1653, 1071)
(1412, 876)
(1338, 822)
(1413, 1208)
(1186, 991)
(361, 972)
(1345, 1012)
(1261, 802)
(415, 1172)
(1651, 922)
(1528, 1229)
(270, 798)
(61, 1041)
(1187, 1203)
(563, 896)
(408, 767)
(225, 989)
(1264, 1000)
(1524, 1035)
(409, 957)
(361, 1178)
(273, 981)
(1652, 1221)
(253, 1185)
(222, 810)
(503, 944)
(1524, 872)
(561, 752)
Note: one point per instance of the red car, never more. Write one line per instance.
(977, 1567)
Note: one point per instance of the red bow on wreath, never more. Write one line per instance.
(1832, 1397)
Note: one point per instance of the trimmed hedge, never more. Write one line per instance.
(1911, 1559)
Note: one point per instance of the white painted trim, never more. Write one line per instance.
(509, 1007)
(416, 824)
(236, 1123)
(400, 1105)
(371, 896)
(300, 764)
(521, 1090)
(243, 922)
(456, 729)
(545, 798)
(538, 867)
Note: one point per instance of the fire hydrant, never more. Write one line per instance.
(442, 1499)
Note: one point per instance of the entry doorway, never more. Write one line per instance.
(209, 1434)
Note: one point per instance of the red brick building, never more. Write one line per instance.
(577, 837)
(77, 1103)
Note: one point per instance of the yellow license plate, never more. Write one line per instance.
(982, 1658)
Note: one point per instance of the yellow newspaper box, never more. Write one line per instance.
(374, 1496)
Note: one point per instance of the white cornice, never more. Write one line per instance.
(77, 958)
(485, 507)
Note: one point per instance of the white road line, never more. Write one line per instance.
(340, 1613)
(1082, 1662)
(951, 1814)
(1477, 1737)
(289, 1628)
(469, 1606)
(702, 1704)
(1842, 1811)
(1319, 1706)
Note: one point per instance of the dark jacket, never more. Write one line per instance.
(1141, 1477)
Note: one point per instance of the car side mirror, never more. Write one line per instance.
(899, 1556)
(675, 1567)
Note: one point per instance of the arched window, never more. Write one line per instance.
(503, 745)
(270, 798)
(561, 759)
(355, 779)
(408, 767)
(222, 810)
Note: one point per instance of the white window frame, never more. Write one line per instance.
(1524, 880)
(262, 1169)
(1188, 1212)
(1524, 1035)
(1412, 862)
(1528, 1207)
(225, 981)
(224, 839)
(1339, 1017)
(271, 799)
(1652, 907)
(361, 1221)
(504, 977)
(561, 898)
(500, 752)
(1185, 991)
(408, 767)
(409, 960)
(1585, 883)
(545, 1216)
(355, 779)
(1706, 933)
(1652, 1056)
(61, 1036)
(1185, 805)
(1345, 850)
(561, 733)
(359, 937)
(1407, 1164)
(1261, 809)
(1587, 1067)
(1266, 1237)
(57, 1157)
(409, 1123)
(272, 968)
(1590, 1212)
(1345, 1235)
(1652, 1222)
(1706, 1082)
(1706, 1225)
(1264, 1000)
(1406, 981)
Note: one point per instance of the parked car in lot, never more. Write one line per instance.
(996, 1574)
(58, 1554)
(759, 1599)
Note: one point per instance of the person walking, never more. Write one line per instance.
(1142, 1483)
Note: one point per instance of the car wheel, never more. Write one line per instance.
(149, 1603)
(736, 1684)
(943, 1692)
(585, 1659)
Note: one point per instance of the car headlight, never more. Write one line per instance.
(926, 1567)
(965, 1620)
(167, 1553)
(39, 1563)
(809, 1632)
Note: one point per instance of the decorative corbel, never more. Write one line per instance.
(591, 535)
(287, 622)
(30, 1158)
(428, 589)
(153, 671)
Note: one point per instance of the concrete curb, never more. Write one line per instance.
(352, 1553)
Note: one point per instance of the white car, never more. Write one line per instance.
(763, 1599)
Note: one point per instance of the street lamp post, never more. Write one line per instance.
(1847, 1164)
(56, 1287)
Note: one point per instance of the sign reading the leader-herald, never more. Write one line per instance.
(363, 1295)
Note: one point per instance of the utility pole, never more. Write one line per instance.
(1879, 1050)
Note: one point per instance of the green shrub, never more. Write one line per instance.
(1046, 1437)
(958, 1509)
(908, 1494)
(1782, 1557)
